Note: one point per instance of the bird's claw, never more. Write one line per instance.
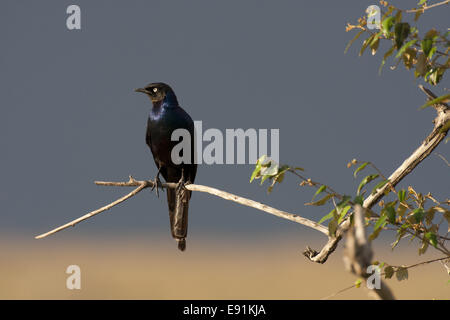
(157, 185)
(181, 185)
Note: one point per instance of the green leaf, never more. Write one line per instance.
(344, 201)
(421, 65)
(432, 52)
(404, 47)
(375, 234)
(358, 283)
(365, 44)
(320, 202)
(381, 220)
(264, 178)
(390, 213)
(359, 200)
(332, 227)
(328, 216)
(436, 101)
(400, 233)
(418, 215)
(436, 75)
(432, 238)
(343, 213)
(365, 181)
(353, 40)
(388, 272)
(409, 57)
(426, 46)
(401, 273)
(401, 32)
(401, 209)
(374, 46)
(424, 247)
(256, 171)
(320, 190)
(402, 195)
(386, 26)
(379, 186)
(280, 177)
(361, 167)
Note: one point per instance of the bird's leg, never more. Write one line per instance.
(181, 182)
(157, 183)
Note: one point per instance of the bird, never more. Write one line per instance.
(165, 116)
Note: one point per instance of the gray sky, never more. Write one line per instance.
(69, 115)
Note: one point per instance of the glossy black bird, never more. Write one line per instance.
(166, 116)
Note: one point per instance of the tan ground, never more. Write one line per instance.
(152, 268)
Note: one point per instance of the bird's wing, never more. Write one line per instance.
(148, 140)
(192, 168)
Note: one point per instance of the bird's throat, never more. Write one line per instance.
(169, 101)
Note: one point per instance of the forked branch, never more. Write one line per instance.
(436, 136)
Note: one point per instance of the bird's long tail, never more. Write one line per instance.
(178, 212)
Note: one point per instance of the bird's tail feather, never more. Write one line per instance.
(178, 213)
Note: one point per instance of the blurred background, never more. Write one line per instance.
(69, 116)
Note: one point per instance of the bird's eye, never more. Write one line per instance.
(155, 90)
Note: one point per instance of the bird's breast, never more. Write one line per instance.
(161, 125)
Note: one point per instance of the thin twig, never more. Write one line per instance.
(316, 184)
(426, 7)
(421, 263)
(383, 273)
(95, 212)
(443, 158)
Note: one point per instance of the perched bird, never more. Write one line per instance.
(166, 116)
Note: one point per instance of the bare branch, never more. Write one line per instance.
(358, 255)
(443, 159)
(95, 212)
(193, 187)
(426, 7)
(428, 145)
(442, 260)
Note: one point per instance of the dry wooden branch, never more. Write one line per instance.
(358, 255)
(426, 7)
(428, 145)
(193, 187)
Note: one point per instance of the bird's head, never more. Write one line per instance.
(159, 93)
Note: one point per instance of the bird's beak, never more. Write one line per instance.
(141, 90)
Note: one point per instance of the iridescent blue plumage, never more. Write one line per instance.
(166, 116)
